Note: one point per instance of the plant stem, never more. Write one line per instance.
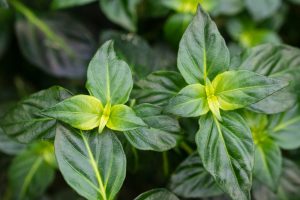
(186, 147)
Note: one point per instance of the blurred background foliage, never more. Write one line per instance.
(50, 42)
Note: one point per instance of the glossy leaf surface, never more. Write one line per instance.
(238, 89)
(202, 50)
(226, 150)
(123, 118)
(159, 135)
(159, 87)
(93, 164)
(108, 78)
(80, 111)
(191, 180)
(25, 121)
(191, 101)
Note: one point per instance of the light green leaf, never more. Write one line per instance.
(277, 61)
(93, 164)
(25, 121)
(268, 162)
(191, 101)
(202, 50)
(108, 78)
(9, 145)
(191, 180)
(121, 12)
(159, 87)
(238, 89)
(32, 171)
(159, 136)
(284, 128)
(262, 9)
(156, 194)
(123, 118)
(80, 111)
(57, 4)
(227, 152)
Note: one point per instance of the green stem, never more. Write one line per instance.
(186, 147)
(165, 163)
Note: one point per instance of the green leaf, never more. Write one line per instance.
(277, 61)
(227, 7)
(159, 87)
(57, 4)
(175, 26)
(262, 9)
(191, 180)
(54, 44)
(159, 136)
(156, 194)
(93, 164)
(284, 128)
(121, 12)
(186, 6)
(9, 145)
(238, 89)
(32, 171)
(25, 121)
(226, 150)
(268, 162)
(80, 111)
(202, 50)
(191, 101)
(123, 118)
(108, 78)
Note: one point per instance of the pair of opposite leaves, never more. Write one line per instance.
(109, 83)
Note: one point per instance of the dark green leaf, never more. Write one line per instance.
(226, 150)
(157, 194)
(159, 87)
(9, 145)
(191, 180)
(32, 171)
(108, 78)
(25, 122)
(159, 136)
(69, 3)
(202, 50)
(262, 9)
(268, 162)
(122, 12)
(227, 7)
(284, 128)
(132, 49)
(276, 61)
(93, 164)
(59, 49)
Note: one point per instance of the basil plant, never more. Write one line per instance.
(215, 94)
